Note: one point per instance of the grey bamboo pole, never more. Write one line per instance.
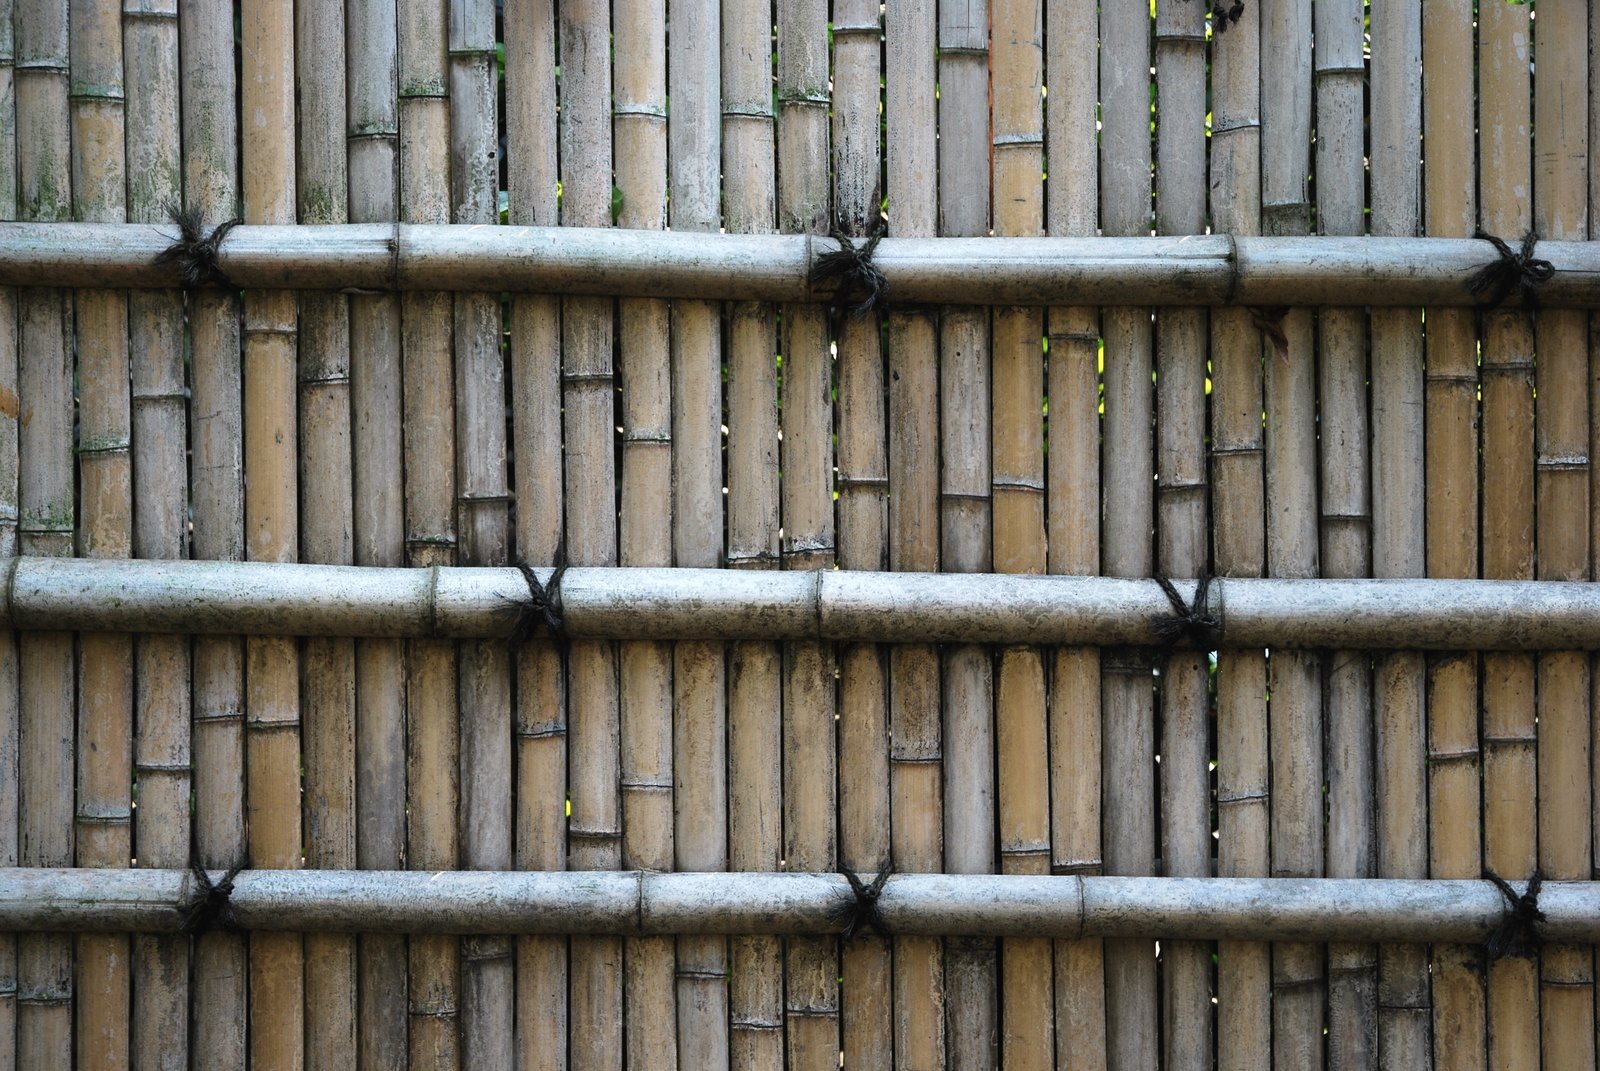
(1072, 509)
(1454, 757)
(1399, 540)
(540, 713)
(429, 445)
(1562, 444)
(328, 669)
(209, 95)
(10, 828)
(378, 523)
(594, 832)
(755, 776)
(103, 828)
(916, 756)
(46, 516)
(162, 665)
(1507, 444)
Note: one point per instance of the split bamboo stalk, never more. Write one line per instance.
(810, 745)
(103, 825)
(209, 94)
(1507, 444)
(1072, 511)
(540, 713)
(1345, 517)
(378, 524)
(9, 710)
(867, 1024)
(1128, 767)
(1399, 546)
(755, 775)
(639, 86)
(594, 833)
(162, 666)
(45, 991)
(1454, 759)
(916, 756)
(429, 443)
(1562, 506)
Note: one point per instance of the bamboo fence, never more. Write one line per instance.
(1166, 602)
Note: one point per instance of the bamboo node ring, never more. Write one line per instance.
(208, 906)
(542, 610)
(194, 253)
(1193, 620)
(1519, 270)
(858, 912)
(858, 285)
(1517, 933)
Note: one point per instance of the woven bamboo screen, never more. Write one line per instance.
(440, 427)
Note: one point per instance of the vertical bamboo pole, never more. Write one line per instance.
(1244, 973)
(1561, 523)
(810, 759)
(755, 803)
(1454, 759)
(211, 185)
(1128, 758)
(916, 758)
(9, 711)
(1072, 504)
(540, 729)
(1017, 427)
(640, 129)
(378, 525)
(429, 444)
(1506, 358)
(591, 534)
(105, 668)
(1181, 490)
(46, 516)
(1399, 545)
(867, 1028)
(1340, 74)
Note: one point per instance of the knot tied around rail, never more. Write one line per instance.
(858, 912)
(542, 609)
(1517, 933)
(208, 906)
(1193, 620)
(1514, 269)
(858, 284)
(194, 253)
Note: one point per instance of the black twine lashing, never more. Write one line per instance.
(1512, 270)
(858, 284)
(1188, 619)
(1517, 933)
(541, 612)
(194, 253)
(208, 907)
(1223, 15)
(858, 912)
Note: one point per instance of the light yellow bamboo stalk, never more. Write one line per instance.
(9, 712)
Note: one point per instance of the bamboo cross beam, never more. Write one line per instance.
(1193, 270)
(293, 599)
(636, 903)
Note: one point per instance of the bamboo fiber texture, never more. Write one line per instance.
(1171, 293)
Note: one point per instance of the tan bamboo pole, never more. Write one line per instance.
(640, 128)
(1399, 545)
(1244, 971)
(1562, 502)
(103, 826)
(1072, 511)
(9, 711)
(45, 525)
(594, 833)
(1132, 1033)
(209, 94)
(1452, 518)
(755, 774)
(1507, 449)
(867, 1024)
(540, 712)
(1345, 517)
(378, 525)
(916, 757)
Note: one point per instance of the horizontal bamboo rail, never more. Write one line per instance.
(639, 903)
(1193, 270)
(292, 599)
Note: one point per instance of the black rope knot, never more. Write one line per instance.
(541, 612)
(1192, 620)
(1518, 269)
(207, 907)
(859, 287)
(858, 912)
(1223, 15)
(1518, 931)
(194, 253)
